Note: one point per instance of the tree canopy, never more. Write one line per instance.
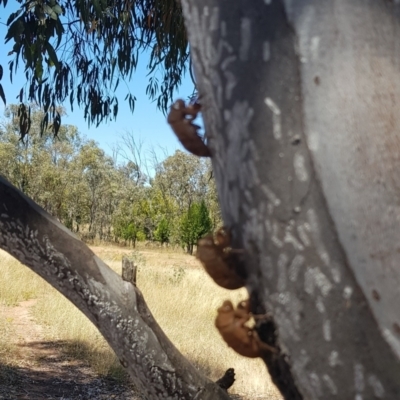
(79, 51)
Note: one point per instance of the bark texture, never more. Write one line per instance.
(115, 307)
(300, 101)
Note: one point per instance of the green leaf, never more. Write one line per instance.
(15, 30)
(49, 11)
(2, 95)
(44, 123)
(57, 9)
(27, 53)
(56, 124)
(39, 70)
(116, 85)
(52, 55)
(60, 31)
(97, 7)
(13, 16)
(71, 100)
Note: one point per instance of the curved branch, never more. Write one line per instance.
(115, 307)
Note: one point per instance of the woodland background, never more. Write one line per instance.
(128, 197)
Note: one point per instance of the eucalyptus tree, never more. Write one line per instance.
(194, 224)
(39, 165)
(182, 177)
(79, 51)
(300, 104)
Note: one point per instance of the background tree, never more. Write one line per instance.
(98, 196)
(182, 177)
(38, 165)
(195, 223)
(162, 232)
(130, 233)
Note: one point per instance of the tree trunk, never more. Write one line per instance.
(300, 102)
(115, 307)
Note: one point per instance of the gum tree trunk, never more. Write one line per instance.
(115, 307)
(301, 102)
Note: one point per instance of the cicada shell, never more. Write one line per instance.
(230, 323)
(181, 119)
(218, 259)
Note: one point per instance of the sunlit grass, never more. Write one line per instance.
(18, 283)
(7, 350)
(6, 345)
(179, 293)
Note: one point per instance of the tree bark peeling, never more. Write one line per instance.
(292, 167)
(115, 307)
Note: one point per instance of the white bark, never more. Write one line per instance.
(300, 101)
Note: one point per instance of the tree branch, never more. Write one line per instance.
(115, 307)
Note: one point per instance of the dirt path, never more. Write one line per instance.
(42, 371)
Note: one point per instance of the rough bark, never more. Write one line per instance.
(300, 102)
(115, 307)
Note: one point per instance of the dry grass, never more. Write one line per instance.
(18, 283)
(181, 296)
(65, 324)
(6, 345)
(7, 350)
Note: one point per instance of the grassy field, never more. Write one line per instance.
(179, 293)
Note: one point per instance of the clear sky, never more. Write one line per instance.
(147, 123)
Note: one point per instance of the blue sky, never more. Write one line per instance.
(147, 123)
